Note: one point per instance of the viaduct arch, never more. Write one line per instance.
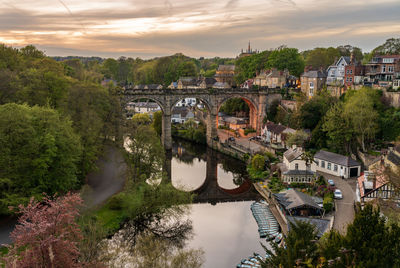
(257, 99)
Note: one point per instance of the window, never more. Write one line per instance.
(347, 71)
(383, 68)
(329, 166)
(388, 60)
(296, 166)
(311, 91)
(323, 164)
(350, 79)
(390, 69)
(311, 84)
(335, 168)
(351, 71)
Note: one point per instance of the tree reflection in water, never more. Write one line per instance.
(155, 241)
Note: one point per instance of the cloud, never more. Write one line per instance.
(231, 4)
(201, 28)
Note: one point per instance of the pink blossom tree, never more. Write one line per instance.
(47, 234)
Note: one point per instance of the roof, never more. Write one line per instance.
(188, 81)
(321, 225)
(291, 199)
(314, 74)
(209, 81)
(336, 158)
(293, 153)
(366, 182)
(299, 172)
(275, 128)
(346, 59)
(226, 68)
(182, 111)
(154, 86)
(394, 158)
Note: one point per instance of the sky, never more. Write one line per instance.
(202, 28)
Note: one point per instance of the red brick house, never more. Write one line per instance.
(354, 73)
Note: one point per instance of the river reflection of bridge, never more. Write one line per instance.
(210, 191)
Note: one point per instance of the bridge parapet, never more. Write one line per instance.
(200, 91)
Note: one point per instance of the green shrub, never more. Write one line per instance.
(328, 203)
(258, 162)
(115, 202)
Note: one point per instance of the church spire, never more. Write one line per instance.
(249, 48)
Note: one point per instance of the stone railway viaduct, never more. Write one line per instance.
(258, 101)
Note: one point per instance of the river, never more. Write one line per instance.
(223, 225)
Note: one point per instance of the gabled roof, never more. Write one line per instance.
(209, 81)
(188, 81)
(275, 128)
(314, 74)
(336, 158)
(291, 199)
(293, 153)
(321, 225)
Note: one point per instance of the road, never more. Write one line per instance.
(344, 213)
(254, 147)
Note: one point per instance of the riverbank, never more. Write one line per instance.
(106, 181)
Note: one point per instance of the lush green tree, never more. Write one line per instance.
(338, 129)
(298, 138)
(314, 110)
(300, 249)
(347, 50)
(359, 108)
(390, 47)
(233, 106)
(322, 57)
(373, 242)
(40, 154)
(247, 67)
(258, 162)
(285, 58)
(146, 153)
(330, 245)
(157, 122)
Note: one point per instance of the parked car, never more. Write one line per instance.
(231, 139)
(331, 182)
(337, 194)
(251, 138)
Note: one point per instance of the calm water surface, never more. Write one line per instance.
(226, 231)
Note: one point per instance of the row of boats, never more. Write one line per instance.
(268, 227)
(251, 262)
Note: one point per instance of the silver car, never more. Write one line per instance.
(337, 194)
